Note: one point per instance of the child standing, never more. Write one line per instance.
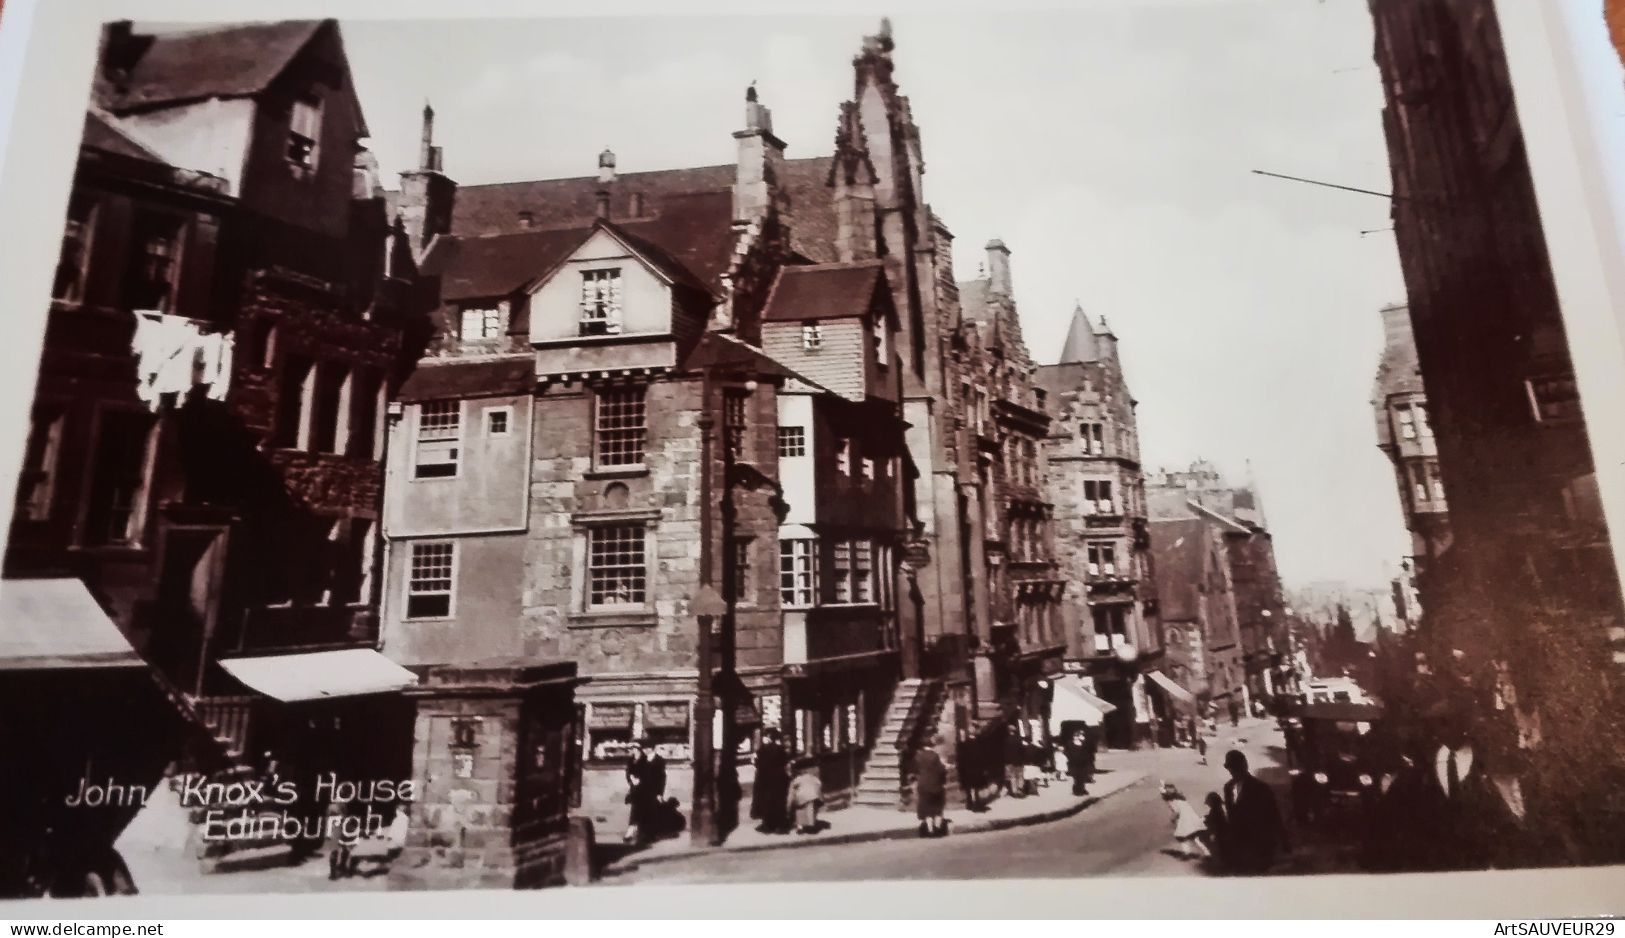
(806, 796)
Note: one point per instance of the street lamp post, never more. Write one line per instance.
(702, 825)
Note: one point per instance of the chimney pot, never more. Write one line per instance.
(606, 166)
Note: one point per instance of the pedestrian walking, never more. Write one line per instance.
(1215, 828)
(1253, 822)
(1077, 761)
(930, 789)
(1015, 757)
(1235, 712)
(768, 803)
(1188, 825)
(806, 796)
(646, 789)
(1201, 749)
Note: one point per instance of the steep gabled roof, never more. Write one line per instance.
(102, 133)
(691, 242)
(495, 209)
(218, 62)
(1080, 340)
(824, 291)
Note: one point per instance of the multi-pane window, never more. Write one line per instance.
(1407, 422)
(882, 351)
(1097, 497)
(1102, 558)
(70, 266)
(617, 573)
(304, 130)
(1093, 435)
(1435, 482)
(429, 582)
(734, 422)
(1111, 627)
(1419, 485)
(798, 571)
(497, 420)
(618, 427)
(741, 571)
(840, 569)
(867, 467)
(439, 434)
(601, 301)
(118, 497)
(792, 442)
(863, 572)
(843, 457)
(812, 336)
(1554, 398)
(1423, 427)
(483, 323)
(150, 281)
(36, 485)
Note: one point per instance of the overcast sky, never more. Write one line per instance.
(1110, 150)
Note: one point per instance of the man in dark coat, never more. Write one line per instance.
(1077, 761)
(772, 787)
(646, 789)
(1254, 822)
(930, 789)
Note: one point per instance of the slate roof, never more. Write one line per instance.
(823, 291)
(691, 241)
(718, 349)
(225, 62)
(101, 133)
(1179, 550)
(553, 203)
(461, 379)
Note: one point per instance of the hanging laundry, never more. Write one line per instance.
(174, 356)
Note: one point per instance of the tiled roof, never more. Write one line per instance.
(717, 350)
(102, 133)
(823, 291)
(1179, 549)
(691, 241)
(552, 203)
(476, 377)
(227, 62)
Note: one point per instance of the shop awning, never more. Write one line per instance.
(318, 675)
(1173, 690)
(1073, 702)
(56, 623)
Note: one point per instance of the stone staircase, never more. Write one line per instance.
(915, 707)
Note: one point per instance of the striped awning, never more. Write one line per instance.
(1173, 690)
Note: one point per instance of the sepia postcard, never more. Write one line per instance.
(595, 452)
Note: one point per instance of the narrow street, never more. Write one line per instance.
(1123, 835)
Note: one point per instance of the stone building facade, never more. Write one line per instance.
(1524, 621)
(207, 440)
(1109, 610)
(549, 499)
(1405, 436)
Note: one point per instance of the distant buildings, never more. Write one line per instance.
(1405, 435)
(1102, 544)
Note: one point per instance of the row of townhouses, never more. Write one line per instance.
(730, 433)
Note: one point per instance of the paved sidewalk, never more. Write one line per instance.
(861, 824)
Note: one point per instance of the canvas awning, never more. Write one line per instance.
(56, 623)
(319, 675)
(1073, 702)
(1174, 691)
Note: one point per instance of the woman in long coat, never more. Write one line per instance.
(930, 789)
(768, 802)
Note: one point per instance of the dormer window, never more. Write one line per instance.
(601, 301)
(812, 336)
(304, 131)
(481, 323)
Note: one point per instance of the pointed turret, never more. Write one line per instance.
(1080, 340)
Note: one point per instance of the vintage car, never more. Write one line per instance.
(1335, 757)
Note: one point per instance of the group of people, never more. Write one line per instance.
(653, 815)
(788, 794)
(1241, 830)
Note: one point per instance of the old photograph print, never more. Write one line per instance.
(505, 454)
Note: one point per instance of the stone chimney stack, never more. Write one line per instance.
(761, 164)
(606, 166)
(427, 194)
(998, 268)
